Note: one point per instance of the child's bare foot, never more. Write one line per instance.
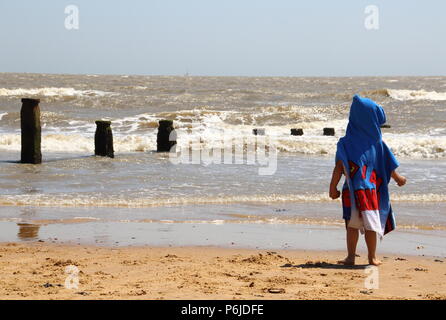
(349, 261)
(374, 262)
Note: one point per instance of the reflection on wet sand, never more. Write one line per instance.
(28, 231)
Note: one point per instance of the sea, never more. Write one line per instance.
(221, 174)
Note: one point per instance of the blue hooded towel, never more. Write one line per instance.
(368, 164)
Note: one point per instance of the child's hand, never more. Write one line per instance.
(399, 179)
(334, 193)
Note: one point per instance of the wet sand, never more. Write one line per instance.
(264, 236)
(36, 270)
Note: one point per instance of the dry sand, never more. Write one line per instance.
(37, 271)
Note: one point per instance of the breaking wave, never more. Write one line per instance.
(79, 200)
(80, 143)
(210, 127)
(52, 92)
(406, 95)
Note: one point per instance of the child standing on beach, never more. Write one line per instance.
(368, 164)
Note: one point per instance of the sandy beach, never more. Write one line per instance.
(38, 271)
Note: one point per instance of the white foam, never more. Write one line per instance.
(78, 143)
(138, 133)
(405, 95)
(85, 200)
(416, 146)
(312, 142)
(86, 218)
(53, 92)
(403, 145)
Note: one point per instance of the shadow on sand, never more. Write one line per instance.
(325, 265)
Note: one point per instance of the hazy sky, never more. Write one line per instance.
(225, 37)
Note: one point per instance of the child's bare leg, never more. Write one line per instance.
(352, 241)
(370, 239)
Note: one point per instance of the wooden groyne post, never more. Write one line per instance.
(164, 140)
(329, 131)
(297, 132)
(103, 139)
(31, 131)
(258, 132)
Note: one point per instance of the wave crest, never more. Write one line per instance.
(69, 200)
(52, 92)
(407, 95)
(403, 145)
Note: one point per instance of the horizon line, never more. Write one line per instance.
(223, 76)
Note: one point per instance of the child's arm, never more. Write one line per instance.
(399, 179)
(336, 176)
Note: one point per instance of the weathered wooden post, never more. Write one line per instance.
(297, 132)
(329, 131)
(258, 132)
(103, 139)
(164, 140)
(31, 131)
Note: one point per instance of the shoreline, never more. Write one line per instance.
(253, 236)
(37, 271)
